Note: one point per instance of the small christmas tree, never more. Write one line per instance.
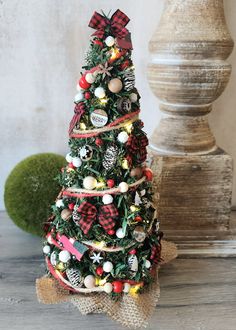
(103, 234)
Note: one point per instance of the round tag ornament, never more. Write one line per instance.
(99, 118)
(139, 234)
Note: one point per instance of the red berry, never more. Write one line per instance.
(70, 165)
(132, 251)
(83, 83)
(87, 95)
(117, 286)
(99, 142)
(125, 64)
(110, 183)
(99, 271)
(111, 232)
(148, 173)
(98, 42)
(138, 218)
(71, 206)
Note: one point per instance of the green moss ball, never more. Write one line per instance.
(31, 188)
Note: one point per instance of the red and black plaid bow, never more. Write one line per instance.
(137, 147)
(88, 214)
(116, 24)
(156, 253)
(79, 111)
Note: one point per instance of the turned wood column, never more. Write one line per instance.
(188, 72)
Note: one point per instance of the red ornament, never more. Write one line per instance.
(87, 95)
(125, 65)
(99, 271)
(70, 165)
(117, 286)
(138, 218)
(98, 42)
(71, 206)
(111, 232)
(132, 251)
(148, 173)
(110, 183)
(98, 142)
(83, 83)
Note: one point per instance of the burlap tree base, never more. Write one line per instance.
(132, 311)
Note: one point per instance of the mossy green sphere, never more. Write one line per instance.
(31, 188)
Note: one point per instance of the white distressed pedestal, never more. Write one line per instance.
(193, 177)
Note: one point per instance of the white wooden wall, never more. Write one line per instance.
(42, 46)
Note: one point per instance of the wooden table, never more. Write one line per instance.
(196, 294)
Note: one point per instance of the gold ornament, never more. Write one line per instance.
(61, 266)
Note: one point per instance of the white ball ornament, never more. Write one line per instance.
(108, 287)
(89, 182)
(147, 264)
(64, 256)
(59, 203)
(90, 78)
(46, 249)
(76, 161)
(133, 97)
(107, 199)
(79, 96)
(69, 158)
(100, 92)
(89, 281)
(109, 41)
(123, 137)
(107, 266)
(120, 233)
(126, 288)
(124, 187)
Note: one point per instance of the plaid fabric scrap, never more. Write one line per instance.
(107, 215)
(137, 147)
(79, 110)
(88, 214)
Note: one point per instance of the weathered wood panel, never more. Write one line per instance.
(194, 192)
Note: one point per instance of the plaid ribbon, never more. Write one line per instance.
(88, 214)
(137, 147)
(79, 110)
(117, 24)
(156, 253)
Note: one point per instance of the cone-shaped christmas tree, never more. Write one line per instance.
(103, 234)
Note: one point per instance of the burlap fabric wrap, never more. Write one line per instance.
(130, 311)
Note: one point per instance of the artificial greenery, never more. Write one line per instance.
(135, 208)
(30, 189)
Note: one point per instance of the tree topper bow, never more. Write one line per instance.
(116, 24)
